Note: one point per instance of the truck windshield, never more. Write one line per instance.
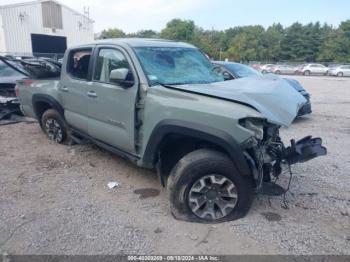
(176, 66)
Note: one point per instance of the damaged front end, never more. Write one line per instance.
(268, 156)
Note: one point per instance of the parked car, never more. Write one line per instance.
(314, 69)
(267, 68)
(342, 70)
(235, 70)
(161, 105)
(284, 70)
(8, 78)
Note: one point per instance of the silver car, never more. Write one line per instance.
(342, 70)
(284, 69)
(314, 69)
(267, 68)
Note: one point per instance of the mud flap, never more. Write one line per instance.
(304, 150)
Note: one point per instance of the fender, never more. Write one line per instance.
(207, 133)
(47, 99)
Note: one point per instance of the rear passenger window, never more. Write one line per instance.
(78, 63)
(107, 60)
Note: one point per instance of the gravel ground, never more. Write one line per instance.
(54, 199)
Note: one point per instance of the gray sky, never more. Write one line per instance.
(134, 15)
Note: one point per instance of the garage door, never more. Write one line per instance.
(48, 44)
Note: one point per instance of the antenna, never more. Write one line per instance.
(86, 17)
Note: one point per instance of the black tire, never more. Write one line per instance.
(55, 127)
(307, 73)
(340, 74)
(264, 71)
(277, 72)
(199, 164)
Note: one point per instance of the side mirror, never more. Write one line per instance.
(119, 76)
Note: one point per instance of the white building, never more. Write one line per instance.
(43, 26)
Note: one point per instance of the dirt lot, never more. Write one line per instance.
(54, 199)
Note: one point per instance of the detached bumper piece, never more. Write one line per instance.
(303, 150)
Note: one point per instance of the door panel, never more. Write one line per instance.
(73, 87)
(111, 107)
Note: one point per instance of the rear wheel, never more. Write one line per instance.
(340, 74)
(55, 127)
(278, 72)
(204, 186)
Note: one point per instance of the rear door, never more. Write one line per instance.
(74, 86)
(111, 107)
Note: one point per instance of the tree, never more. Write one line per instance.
(177, 29)
(247, 45)
(272, 42)
(112, 33)
(145, 34)
(297, 43)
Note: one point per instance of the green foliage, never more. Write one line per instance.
(297, 43)
(112, 33)
(177, 29)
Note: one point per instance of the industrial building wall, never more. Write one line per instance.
(20, 21)
(2, 37)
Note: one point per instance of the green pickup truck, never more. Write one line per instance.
(160, 104)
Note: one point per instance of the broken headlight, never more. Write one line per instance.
(256, 125)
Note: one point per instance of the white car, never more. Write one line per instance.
(314, 69)
(342, 70)
(268, 68)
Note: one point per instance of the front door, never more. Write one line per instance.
(111, 107)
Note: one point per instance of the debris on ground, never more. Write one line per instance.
(112, 185)
(10, 112)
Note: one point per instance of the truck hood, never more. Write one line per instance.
(274, 98)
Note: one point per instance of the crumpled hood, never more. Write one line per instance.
(274, 98)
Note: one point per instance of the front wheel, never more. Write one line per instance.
(307, 73)
(340, 74)
(205, 186)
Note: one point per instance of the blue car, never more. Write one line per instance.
(232, 70)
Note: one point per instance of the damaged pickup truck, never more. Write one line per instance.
(160, 104)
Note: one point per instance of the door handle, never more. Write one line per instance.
(64, 89)
(92, 94)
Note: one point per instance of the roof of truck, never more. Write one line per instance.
(143, 42)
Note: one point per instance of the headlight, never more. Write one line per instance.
(255, 125)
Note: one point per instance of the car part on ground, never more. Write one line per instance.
(10, 112)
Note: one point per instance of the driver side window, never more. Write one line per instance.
(107, 60)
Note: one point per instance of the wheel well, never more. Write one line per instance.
(173, 147)
(40, 107)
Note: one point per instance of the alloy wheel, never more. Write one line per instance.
(212, 197)
(54, 130)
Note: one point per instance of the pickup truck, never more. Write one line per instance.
(160, 104)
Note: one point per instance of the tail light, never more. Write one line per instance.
(24, 83)
(17, 90)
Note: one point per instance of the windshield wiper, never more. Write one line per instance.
(172, 85)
